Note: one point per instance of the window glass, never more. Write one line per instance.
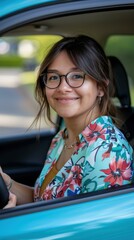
(20, 58)
(123, 48)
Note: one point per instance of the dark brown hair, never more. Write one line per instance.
(89, 57)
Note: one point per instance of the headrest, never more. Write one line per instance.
(120, 80)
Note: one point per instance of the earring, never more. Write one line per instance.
(99, 99)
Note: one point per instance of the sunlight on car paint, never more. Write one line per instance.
(58, 236)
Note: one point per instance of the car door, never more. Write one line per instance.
(22, 157)
(105, 215)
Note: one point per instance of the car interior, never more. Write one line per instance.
(22, 156)
(125, 112)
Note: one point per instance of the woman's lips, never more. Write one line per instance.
(66, 100)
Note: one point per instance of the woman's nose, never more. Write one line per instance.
(63, 84)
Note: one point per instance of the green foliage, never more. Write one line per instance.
(118, 43)
(42, 44)
(119, 46)
(10, 61)
(123, 48)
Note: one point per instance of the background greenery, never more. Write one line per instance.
(42, 45)
(119, 46)
(123, 48)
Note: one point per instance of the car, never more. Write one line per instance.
(106, 214)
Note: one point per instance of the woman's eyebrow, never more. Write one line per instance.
(57, 71)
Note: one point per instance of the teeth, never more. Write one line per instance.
(66, 99)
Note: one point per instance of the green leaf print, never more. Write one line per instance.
(123, 155)
(59, 178)
(106, 185)
(101, 120)
(118, 148)
(89, 185)
(88, 168)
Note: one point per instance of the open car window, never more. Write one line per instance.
(20, 58)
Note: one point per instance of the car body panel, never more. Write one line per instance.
(33, 148)
(63, 8)
(54, 20)
(110, 218)
(14, 6)
(10, 7)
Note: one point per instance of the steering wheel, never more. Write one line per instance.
(4, 193)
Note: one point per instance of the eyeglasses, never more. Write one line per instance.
(53, 80)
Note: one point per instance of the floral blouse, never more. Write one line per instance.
(103, 159)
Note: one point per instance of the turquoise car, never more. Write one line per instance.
(26, 29)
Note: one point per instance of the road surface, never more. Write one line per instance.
(17, 106)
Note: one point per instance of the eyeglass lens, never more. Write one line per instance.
(53, 80)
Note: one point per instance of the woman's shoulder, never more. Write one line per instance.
(102, 126)
(103, 130)
(98, 128)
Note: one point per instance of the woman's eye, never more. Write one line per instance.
(77, 76)
(53, 78)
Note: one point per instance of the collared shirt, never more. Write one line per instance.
(103, 158)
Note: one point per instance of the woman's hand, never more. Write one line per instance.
(6, 178)
(23, 193)
(12, 201)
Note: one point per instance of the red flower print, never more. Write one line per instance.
(78, 146)
(74, 178)
(53, 144)
(47, 195)
(61, 189)
(94, 132)
(77, 177)
(106, 155)
(117, 172)
(60, 192)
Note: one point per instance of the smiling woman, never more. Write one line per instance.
(74, 80)
(90, 154)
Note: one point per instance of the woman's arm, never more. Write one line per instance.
(24, 193)
(12, 201)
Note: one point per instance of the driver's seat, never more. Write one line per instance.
(122, 92)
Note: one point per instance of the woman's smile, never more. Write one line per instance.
(66, 100)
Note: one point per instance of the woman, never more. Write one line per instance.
(90, 153)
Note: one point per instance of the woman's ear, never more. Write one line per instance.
(100, 92)
(107, 82)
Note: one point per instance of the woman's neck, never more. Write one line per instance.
(76, 125)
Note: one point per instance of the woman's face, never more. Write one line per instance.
(71, 102)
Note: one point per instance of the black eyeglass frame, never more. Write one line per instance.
(60, 76)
